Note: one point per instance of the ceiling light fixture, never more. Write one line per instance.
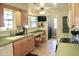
(42, 4)
(41, 12)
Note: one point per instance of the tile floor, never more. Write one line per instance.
(46, 48)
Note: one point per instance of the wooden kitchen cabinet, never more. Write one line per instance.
(74, 14)
(77, 14)
(21, 47)
(31, 43)
(24, 46)
(24, 17)
(21, 17)
(71, 14)
(1, 15)
(18, 18)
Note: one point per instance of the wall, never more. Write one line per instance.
(3, 32)
(31, 12)
(60, 25)
(58, 14)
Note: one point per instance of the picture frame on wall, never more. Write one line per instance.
(65, 24)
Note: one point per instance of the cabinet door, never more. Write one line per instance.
(6, 50)
(1, 15)
(72, 14)
(31, 44)
(18, 18)
(21, 47)
(77, 14)
(24, 17)
(25, 46)
(18, 48)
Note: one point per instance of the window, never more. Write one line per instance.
(8, 18)
(55, 23)
(32, 21)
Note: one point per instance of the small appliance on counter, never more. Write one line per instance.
(21, 30)
(75, 38)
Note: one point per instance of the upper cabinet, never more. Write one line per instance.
(24, 17)
(73, 14)
(1, 15)
(77, 14)
(18, 18)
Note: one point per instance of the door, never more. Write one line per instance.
(52, 26)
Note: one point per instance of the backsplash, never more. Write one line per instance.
(31, 30)
(7, 33)
(4, 33)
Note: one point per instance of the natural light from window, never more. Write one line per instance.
(32, 22)
(55, 23)
(8, 18)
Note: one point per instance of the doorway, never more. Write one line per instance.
(52, 27)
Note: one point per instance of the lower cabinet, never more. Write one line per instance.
(6, 50)
(20, 47)
(23, 46)
(31, 43)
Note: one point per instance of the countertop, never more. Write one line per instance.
(67, 49)
(7, 40)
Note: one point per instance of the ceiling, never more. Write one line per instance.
(49, 7)
(37, 6)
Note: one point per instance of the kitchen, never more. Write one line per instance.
(21, 30)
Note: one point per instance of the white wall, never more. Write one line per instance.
(59, 13)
